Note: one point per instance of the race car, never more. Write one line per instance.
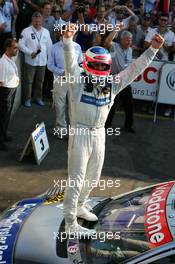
(135, 227)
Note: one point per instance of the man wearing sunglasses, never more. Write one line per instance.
(167, 34)
(56, 13)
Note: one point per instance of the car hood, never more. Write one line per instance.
(28, 230)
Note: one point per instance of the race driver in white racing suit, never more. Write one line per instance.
(90, 104)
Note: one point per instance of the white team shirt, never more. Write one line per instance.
(144, 32)
(169, 38)
(8, 72)
(31, 40)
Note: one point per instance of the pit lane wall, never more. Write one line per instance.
(157, 80)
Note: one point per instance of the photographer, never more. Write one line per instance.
(98, 26)
(84, 36)
(36, 44)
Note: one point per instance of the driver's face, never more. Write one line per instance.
(99, 66)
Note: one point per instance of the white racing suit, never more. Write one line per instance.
(60, 86)
(59, 100)
(89, 111)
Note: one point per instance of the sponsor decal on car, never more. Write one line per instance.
(72, 247)
(157, 229)
(10, 225)
(54, 199)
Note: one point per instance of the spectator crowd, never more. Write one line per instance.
(35, 24)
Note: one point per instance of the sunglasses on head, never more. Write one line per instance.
(56, 11)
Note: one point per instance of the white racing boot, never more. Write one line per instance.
(78, 231)
(84, 213)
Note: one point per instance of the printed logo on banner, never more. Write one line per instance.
(157, 229)
(72, 247)
(10, 225)
(170, 79)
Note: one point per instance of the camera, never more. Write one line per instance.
(38, 51)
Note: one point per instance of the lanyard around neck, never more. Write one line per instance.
(38, 38)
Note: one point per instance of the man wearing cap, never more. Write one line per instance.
(36, 44)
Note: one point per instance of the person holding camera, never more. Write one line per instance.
(36, 44)
(84, 37)
(93, 28)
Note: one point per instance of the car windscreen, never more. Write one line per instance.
(130, 225)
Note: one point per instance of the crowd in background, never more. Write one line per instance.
(141, 18)
(16, 15)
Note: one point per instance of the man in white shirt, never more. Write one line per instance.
(167, 34)
(36, 44)
(9, 80)
(145, 25)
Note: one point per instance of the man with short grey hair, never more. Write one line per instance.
(36, 44)
(121, 58)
